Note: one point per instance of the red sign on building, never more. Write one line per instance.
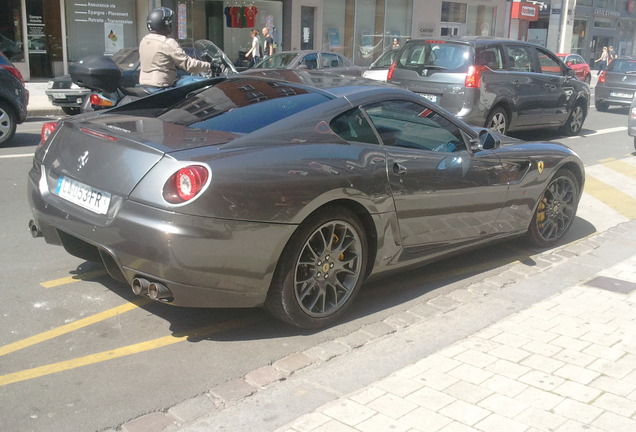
(524, 11)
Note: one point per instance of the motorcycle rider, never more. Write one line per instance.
(160, 55)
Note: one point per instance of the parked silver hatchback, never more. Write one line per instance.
(500, 84)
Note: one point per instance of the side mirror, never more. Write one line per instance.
(570, 73)
(569, 63)
(488, 141)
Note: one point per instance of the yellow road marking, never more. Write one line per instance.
(618, 200)
(607, 160)
(622, 168)
(75, 278)
(15, 346)
(123, 351)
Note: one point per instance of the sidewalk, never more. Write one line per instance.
(39, 104)
(547, 345)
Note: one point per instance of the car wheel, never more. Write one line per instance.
(498, 120)
(320, 271)
(71, 110)
(575, 121)
(8, 123)
(601, 106)
(634, 143)
(555, 211)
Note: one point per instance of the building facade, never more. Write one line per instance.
(43, 36)
(590, 25)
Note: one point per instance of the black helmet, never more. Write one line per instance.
(160, 20)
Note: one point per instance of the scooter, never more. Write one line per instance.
(102, 76)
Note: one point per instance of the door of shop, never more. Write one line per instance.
(44, 38)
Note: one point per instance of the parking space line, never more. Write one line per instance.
(75, 278)
(13, 156)
(84, 322)
(125, 351)
(618, 200)
(622, 167)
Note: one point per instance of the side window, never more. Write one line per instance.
(310, 60)
(331, 60)
(490, 57)
(548, 64)
(408, 124)
(353, 126)
(520, 58)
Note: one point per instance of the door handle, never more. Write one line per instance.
(398, 168)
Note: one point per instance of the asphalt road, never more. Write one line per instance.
(79, 352)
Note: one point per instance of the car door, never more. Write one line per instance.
(555, 90)
(525, 87)
(444, 194)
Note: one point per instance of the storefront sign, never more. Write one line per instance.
(35, 34)
(524, 11)
(607, 13)
(426, 29)
(101, 27)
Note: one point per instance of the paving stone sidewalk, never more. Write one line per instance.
(567, 363)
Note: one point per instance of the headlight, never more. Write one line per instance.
(49, 85)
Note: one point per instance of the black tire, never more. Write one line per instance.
(634, 143)
(601, 106)
(320, 271)
(8, 122)
(555, 210)
(71, 110)
(575, 121)
(498, 120)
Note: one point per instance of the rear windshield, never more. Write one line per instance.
(623, 65)
(242, 106)
(440, 55)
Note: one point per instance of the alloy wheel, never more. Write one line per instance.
(328, 269)
(556, 209)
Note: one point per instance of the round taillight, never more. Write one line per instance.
(185, 184)
(47, 129)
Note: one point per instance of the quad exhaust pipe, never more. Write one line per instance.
(154, 290)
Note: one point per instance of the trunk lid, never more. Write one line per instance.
(114, 152)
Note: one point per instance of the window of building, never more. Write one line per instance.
(362, 31)
(460, 19)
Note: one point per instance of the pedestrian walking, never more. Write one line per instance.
(602, 61)
(611, 55)
(254, 54)
(268, 43)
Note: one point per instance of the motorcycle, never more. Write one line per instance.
(103, 77)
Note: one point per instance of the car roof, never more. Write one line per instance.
(473, 40)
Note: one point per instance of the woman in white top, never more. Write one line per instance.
(254, 54)
(603, 61)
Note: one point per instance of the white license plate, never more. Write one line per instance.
(622, 94)
(85, 196)
(59, 96)
(432, 98)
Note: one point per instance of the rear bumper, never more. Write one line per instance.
(205, 262)
(609, 95)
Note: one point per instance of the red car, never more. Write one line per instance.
(578, 65)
